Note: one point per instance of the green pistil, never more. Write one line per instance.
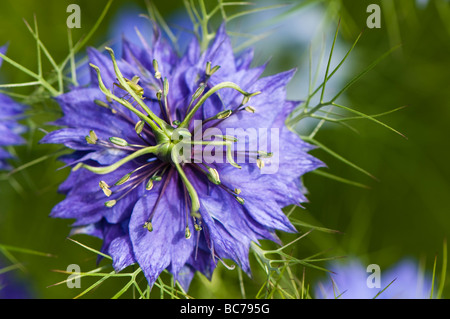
(125, 103)
(133, 94)
(195, 203)
(218, 143)
(111, 168)
(213, 90)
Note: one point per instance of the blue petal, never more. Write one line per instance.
(121, 251)
(220, 53)
(166, 244)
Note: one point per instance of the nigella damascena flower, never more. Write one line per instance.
(11, 286)
(352, 280)
(10, 129)
(180, 162)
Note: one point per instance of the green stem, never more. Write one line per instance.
(328, 64)
(81, 43)
(73, 69)
(30, 73)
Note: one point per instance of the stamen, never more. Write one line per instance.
(197, 227)
(213, 176)
(139, 127)
(92, 138)
(259, 163)
(101, 103)
(187, 232)
(185, 194)
(166, 104)
(198, 92)
(110, 203)
(149, 184)
(210, 71)
(148, 226)
(208, 68)
(118, 141)
(127, 177)
(240, 200)
(156, 68)
(159, 94)
(105, 188)
(250, 109)
(219, 116)
(123, 180)
(161, 193)
(195, 96)
(213, 90)
(264, 154)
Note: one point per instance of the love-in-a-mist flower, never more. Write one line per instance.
(180, 162)
(352, 280)
(11, 286)
(10, 129)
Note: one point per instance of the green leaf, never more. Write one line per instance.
(336, 155)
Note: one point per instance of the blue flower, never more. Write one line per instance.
(349, 281)
(11, 285)
(136, 180)
(10, 129)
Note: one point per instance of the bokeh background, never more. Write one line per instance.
(403, 214)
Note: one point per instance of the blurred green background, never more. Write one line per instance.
(404, 214)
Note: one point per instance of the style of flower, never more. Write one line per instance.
(351, 280)
(10, 129)
(141, 180)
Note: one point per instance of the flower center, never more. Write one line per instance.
(168, 143)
